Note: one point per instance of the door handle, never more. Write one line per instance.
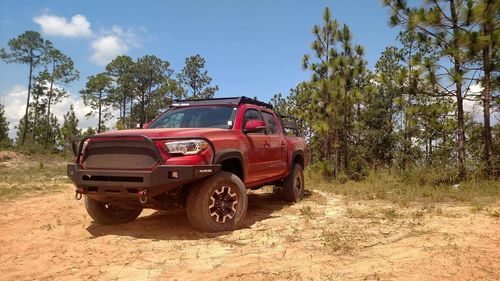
(283, 143)
(266, 144)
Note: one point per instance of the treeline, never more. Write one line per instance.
(140, 89)
(408, 112)
(128, 91)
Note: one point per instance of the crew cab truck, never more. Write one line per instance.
(201, 155)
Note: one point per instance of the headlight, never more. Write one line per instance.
(187, 147)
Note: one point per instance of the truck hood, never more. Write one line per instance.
(164, 132)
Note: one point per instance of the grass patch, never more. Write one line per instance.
(344, 239)
(22, 174)
(398, 190)
(307, 212)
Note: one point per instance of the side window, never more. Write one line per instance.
(271, 126)
(251, 114)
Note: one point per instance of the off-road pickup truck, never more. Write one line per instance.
(199, 154)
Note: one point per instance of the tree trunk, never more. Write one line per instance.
(99, 118)
(47, 118)
(35, 119)
(131, 111)
(487, 139)
(26, 125)
(143, 100)
(124, 104)
(462, 172)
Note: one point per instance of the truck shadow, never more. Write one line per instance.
(174, 225)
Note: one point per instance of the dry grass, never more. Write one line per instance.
(33, 174)
(342, 239)
(389, 187)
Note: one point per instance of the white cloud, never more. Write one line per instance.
(106, 48)
(106, 43)
(112, 43)
(474, 107)
(54, 25)
(14, 101)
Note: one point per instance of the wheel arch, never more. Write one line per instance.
(297, 158)
(231, 161)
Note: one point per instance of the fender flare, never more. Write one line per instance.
(294, 154)
(227, 153)
(230, 153)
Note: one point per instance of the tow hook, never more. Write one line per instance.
(143, 196)
(79, 193)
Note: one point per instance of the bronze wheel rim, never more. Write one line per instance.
(222, 204)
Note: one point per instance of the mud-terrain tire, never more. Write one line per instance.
(109, 214)
(293, 185)
(218, 203)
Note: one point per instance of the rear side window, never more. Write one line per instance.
(271, 125)
(251, 114)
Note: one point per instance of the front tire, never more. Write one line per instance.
(108, 214)
(218, 203)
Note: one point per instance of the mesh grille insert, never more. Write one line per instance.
(120, 155)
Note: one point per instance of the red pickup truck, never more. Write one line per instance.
(199, 154)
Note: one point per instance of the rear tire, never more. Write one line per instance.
(293, 185)
(109, 214)
(218, 203)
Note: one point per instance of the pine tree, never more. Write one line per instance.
(338, 80)
(446, 26)
(121, 71)
(195, 79)
(28, 48)
(61, 71)
(96, 95)
(486, 43)
(150, 76)
(69, 128)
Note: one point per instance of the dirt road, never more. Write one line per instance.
(322, 238)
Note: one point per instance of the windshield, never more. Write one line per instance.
(196, 117)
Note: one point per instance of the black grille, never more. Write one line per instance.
(120, 155)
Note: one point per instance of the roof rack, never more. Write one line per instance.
(217, 101)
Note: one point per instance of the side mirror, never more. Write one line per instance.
(254, 125)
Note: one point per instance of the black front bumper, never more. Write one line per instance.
(105, 185)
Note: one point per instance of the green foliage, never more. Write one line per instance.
(195, 80)
(96, 95)
(69, 129)
(446, 27)
(88, 132)
(339, 81)
(5, 141)
(150, 75)
(28, 48)
(121, 72)
(61, 71)
(432, 184)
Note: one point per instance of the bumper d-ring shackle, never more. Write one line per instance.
(79, 193)
(143, 196)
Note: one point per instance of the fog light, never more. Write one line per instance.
(173, 175)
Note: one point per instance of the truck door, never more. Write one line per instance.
(257, 149)
(277, 165)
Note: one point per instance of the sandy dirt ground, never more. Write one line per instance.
(324, 237)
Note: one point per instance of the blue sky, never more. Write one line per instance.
(252, 48)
